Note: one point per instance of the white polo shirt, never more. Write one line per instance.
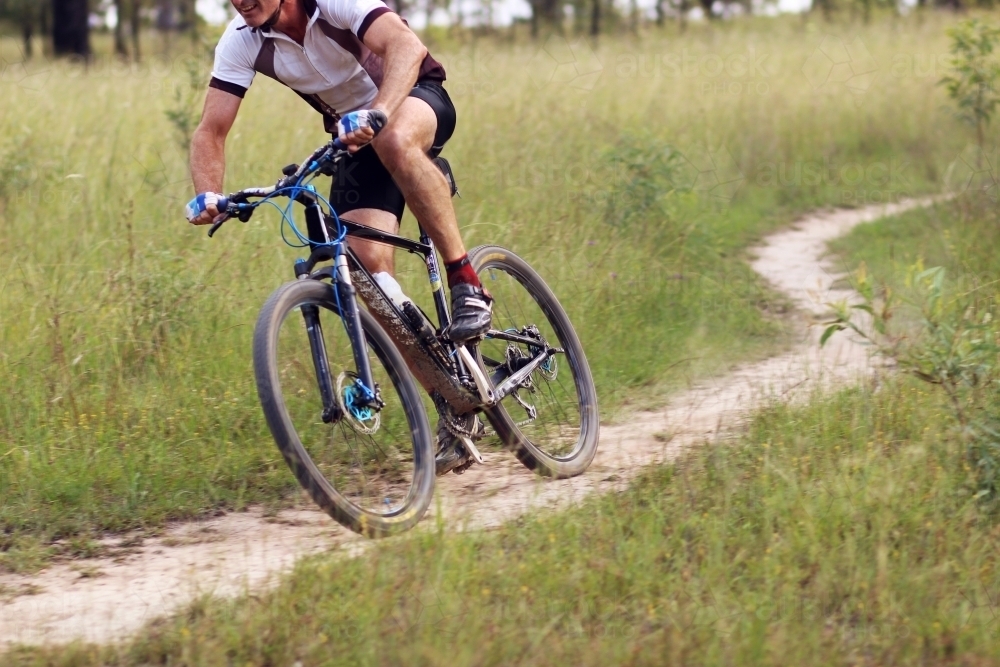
(333, 70)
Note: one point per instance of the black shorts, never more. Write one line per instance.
(362, 181)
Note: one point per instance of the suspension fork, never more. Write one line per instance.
(310, 313)
(347, 299)
(321, 363)
(352, 319)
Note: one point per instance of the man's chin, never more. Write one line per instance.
(255, 17)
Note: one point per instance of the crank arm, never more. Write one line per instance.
(486, 394)
(515, 380)
(469, 445)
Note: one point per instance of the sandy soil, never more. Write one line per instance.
(104, 599)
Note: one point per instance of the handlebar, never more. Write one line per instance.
(324, 157)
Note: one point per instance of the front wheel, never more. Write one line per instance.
(551, 422)
(370, 468)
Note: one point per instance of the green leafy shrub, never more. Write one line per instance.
(954, 347)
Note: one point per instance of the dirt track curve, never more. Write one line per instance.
(99, 600)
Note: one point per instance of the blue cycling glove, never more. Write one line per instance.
(356, 120)
(200, 204)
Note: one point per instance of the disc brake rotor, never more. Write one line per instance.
(362, 418)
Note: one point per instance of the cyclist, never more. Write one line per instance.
(347, 58)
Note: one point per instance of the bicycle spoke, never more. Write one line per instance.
(364, 467)
(556, 427)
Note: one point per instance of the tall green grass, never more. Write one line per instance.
(842, 532)
(631, 176)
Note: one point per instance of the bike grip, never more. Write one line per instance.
(377, 121)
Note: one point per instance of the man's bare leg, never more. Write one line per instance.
(402, 147)
(376, 257)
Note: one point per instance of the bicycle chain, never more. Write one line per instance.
(452, 423)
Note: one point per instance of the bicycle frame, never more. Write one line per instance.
(450, 372)
(449, 369)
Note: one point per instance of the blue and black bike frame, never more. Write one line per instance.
(346, 263)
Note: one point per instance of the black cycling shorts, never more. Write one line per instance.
(362, 181)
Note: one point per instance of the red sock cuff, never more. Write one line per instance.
(461, 272)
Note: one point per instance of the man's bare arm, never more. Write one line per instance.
(402, 53)
(208, 147)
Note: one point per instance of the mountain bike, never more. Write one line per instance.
(338, 382)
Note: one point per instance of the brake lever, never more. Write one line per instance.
(215, 226)
(222, 205)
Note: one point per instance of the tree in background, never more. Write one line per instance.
(70, 28)
(30, 17)
(135, 23)
(546, 14)
(975, 71)
(120, 48)
(129, 18)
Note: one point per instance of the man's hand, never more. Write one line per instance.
(203, 209)
(358, 128)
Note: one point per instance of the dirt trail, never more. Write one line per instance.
(99, 600)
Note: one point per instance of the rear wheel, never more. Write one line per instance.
(551, 422)
(370, 469)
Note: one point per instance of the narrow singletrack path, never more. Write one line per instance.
(104, 599)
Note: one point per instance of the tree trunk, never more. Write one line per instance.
(661, 15)
(120, 48)
(27, 32)
(595, 18)
(706, 6)
(136, 25)
(547, 12)
(188, 18)
(70, 31)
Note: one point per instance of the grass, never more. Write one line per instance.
(841, 532)
(959, 235)
(128, 395)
